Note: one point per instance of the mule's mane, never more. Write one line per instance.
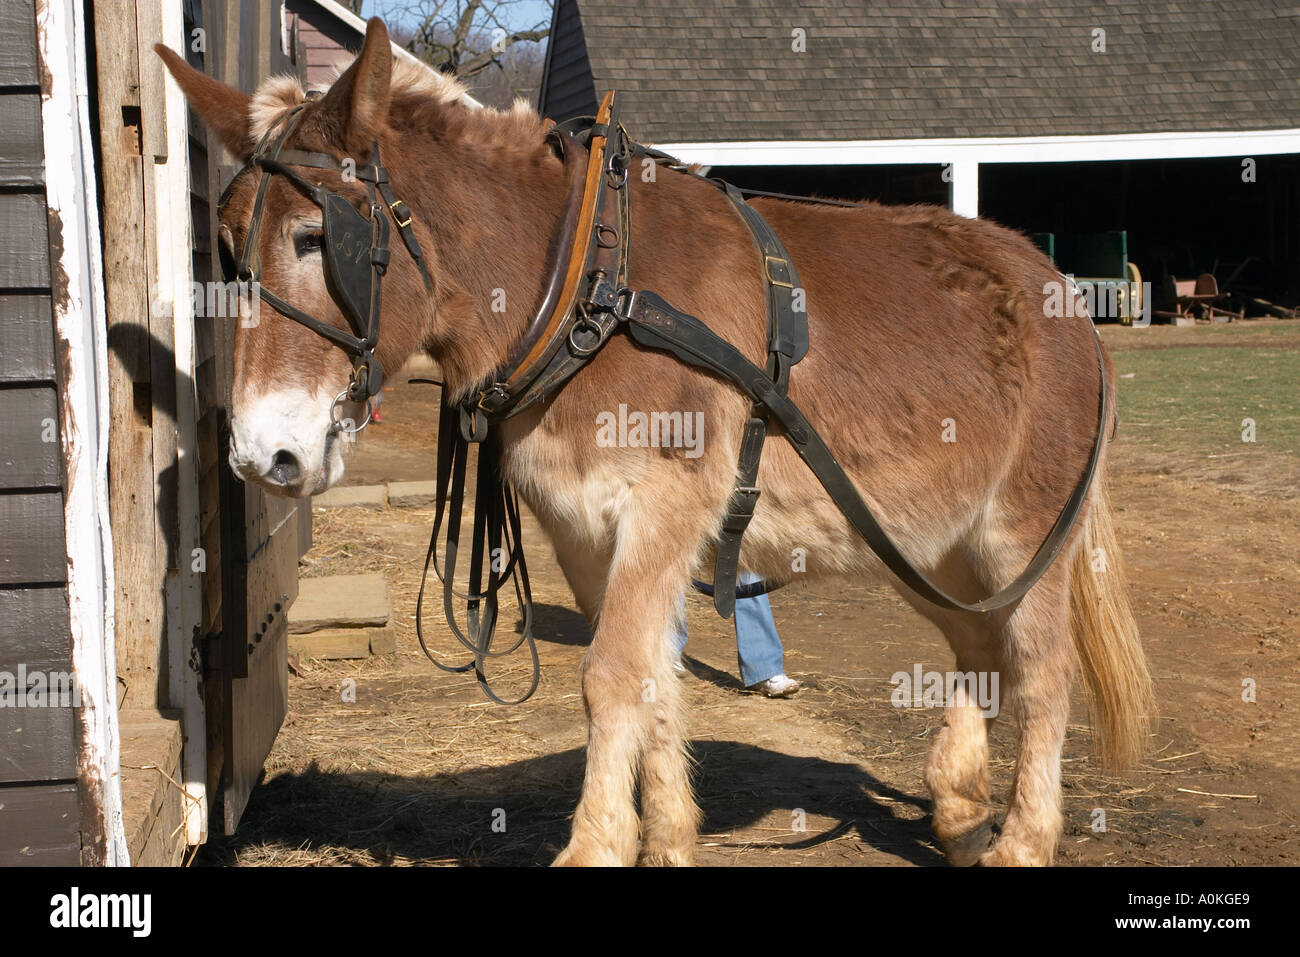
(421, 100)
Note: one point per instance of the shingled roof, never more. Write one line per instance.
(725, 70)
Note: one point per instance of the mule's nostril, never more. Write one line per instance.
(285, 469)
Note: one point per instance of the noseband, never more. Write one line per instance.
(354, 250)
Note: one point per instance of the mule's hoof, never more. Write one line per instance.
(665, 859)
(965, 850)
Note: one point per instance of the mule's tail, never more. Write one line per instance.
(1121, 698)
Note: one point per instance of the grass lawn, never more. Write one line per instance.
(1185, 392)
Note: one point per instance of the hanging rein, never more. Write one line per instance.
(586, 301)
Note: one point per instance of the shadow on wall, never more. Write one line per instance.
(140, 353)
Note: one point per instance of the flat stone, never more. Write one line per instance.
(339, 601)
(352, 496)
(332, 643)
(383, 641)
(411, 494)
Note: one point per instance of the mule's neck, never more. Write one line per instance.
(494, 215)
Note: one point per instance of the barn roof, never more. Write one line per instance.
(724, 70)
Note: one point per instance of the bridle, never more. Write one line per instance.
(354, 250)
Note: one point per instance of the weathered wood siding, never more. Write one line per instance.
(323, 44)
(40, 817)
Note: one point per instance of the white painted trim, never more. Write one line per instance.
(964, 198)
(81, 331)
(342, 13)
(184, 587)
(1027, 149)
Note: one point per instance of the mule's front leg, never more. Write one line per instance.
(631, 697)
(670, 817)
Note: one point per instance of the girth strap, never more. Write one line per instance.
(655, 324)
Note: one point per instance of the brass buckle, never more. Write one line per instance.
(393, 206)
(767, 267)
(496, 389)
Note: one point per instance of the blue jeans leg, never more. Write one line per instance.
(679, 639)
(758, 646)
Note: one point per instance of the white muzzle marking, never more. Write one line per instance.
(283, 441)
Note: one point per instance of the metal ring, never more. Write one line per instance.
(583, 351)
(337, 426)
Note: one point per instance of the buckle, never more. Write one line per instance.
(624, 302)
(398, 216)
(497, 390)
(784, 264)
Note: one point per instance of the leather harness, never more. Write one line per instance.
(586, 301)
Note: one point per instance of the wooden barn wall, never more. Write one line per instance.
(40, 819)
(166, 665)
(322, 42)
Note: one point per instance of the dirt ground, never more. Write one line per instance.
(420, 767)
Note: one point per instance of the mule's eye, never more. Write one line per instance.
(308, 240)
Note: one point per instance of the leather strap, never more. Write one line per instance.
(538, 366)
(655, 324)
(496, 554)
(787, 327)
(787, 343)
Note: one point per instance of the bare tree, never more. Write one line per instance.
(480, 41)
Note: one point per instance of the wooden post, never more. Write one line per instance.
(131, 480)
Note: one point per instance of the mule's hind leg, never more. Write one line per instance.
(957, 770)
(1038, 668)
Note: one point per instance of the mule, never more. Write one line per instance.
(963, 414)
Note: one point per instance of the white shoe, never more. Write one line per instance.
(778, 686)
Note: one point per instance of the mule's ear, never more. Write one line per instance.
(356, 106)
(223, 109)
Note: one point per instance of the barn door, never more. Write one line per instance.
(253, 569)
(262, 538)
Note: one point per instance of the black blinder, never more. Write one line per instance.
(348, 272)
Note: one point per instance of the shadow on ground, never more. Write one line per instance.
(386, 819)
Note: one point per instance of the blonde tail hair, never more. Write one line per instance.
(1121, 697)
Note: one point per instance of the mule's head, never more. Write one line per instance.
(287, 376)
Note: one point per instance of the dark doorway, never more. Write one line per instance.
(1183, 217)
